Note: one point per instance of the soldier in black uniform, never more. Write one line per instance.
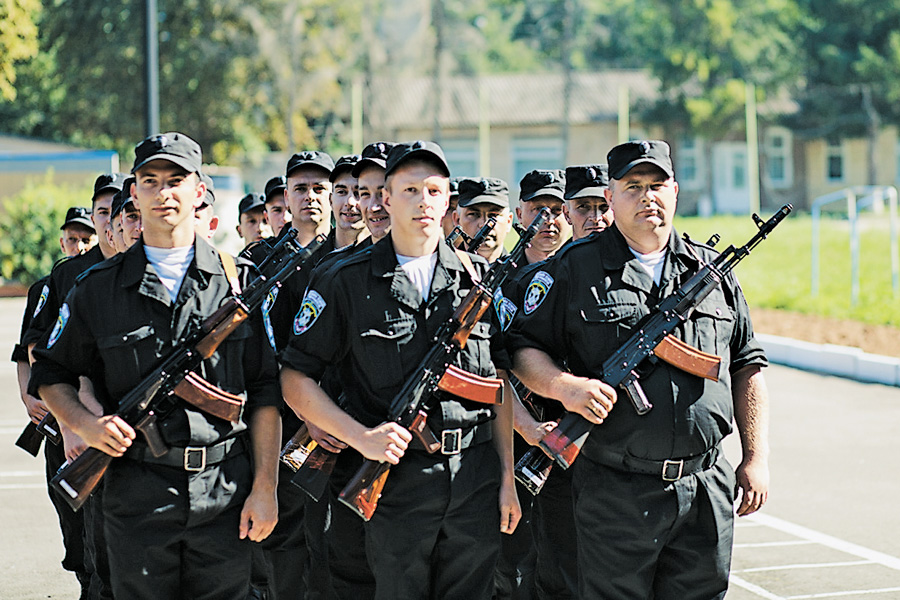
(177, 525)
(543, 188)
(277, 211)
(205, 220)
(653, 493)
(586, 208)
(479, 200)
(79, 234)
(252, 225)
(447, 223)
(435, 532)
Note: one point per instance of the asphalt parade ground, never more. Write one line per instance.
(831, 528)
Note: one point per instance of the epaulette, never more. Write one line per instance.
(354, 258)
(61, 261)
(576, 243)
(100, 266)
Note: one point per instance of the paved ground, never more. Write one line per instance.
(830, 529)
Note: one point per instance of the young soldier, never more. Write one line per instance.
(543, 189)
(277, 212)
(78, 235)
(447, 223)
(205, 221)
(349, 227)
(176, 525)
(435, 533)
(252, 225)
(479, 200)
(586, 208)
(369, 172)
(653, 493)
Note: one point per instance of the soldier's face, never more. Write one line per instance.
(166, 195)
(345, 203)
(308, 196)
(100, 209)
(554, 231)
(77, 240)
(417, 197)
(253, 226)
(643, 201)
(371, 184)
(131, 225)
(587, 215)
(473, 217)
(277, 213)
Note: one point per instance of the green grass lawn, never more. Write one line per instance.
(777, 274)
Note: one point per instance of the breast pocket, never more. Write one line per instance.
(712, 324)
(380, 346)
(128, 354)
(610, 324)
(476, 356)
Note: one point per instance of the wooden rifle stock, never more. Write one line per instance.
(30, 439)
(78, 479)
(313, 475)
(220, 324)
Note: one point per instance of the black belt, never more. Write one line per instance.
(454, 441)
(190, 458)
(670, 469)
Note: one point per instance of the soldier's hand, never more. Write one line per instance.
(325, 439)
(590, 398)
(36, 408)
(753, 485)
(259, 515)
(73, 445)
(510, 509)
(109, 434)
(534, 435)
(385, 443)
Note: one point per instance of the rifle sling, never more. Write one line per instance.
(231, 272)
(466, 260)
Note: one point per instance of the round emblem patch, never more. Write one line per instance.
(537, 290)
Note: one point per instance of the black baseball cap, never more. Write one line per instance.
(275, 187)
(486, 190)
(627, 156)
(454, 187)
(428, 151)
(373, 155)
(344, 164)
(310, 158)
(210, 191)
(542, 182)
(108, 182)
(251, 202)
(78, 215)
(586, 180)
(174, 147)
(121, 198)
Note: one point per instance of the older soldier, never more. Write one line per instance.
(653, 493)
(543, 189)
(435, 533)
(78, 235)
(586, 208)
(479, 200)
(175, 525)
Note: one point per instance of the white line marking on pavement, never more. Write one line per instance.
(11, 430)
(773, 544)
(22, 486)
(752, 587)
(849, 563)
(20, 473)
(817, 537)
(850, 593)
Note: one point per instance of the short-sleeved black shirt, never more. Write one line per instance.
(582, 305)
(369, 320)
(37, 297)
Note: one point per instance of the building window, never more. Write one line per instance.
(834, 161)
(689, 164)
(462, 157)
(779, 163)
(535, 153)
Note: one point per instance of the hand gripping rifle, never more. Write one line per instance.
(435, 372)
(153, 396)
(652, 335)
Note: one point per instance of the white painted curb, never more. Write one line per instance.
(842, 361)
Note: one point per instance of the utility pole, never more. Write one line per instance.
(874, 123)
(437, 80)
(151, 67)
(565, 49)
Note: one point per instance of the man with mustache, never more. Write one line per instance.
(479, 200)
(586, 208)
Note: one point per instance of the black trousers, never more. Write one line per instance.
(555, 543)
(95, 547)
(641, 537)
(436, 531)
(284, 552)
(173, 534)
(71, 523)
(351, 575)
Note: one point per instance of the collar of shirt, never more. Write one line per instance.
(136, 270)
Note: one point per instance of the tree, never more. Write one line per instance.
(18, 40)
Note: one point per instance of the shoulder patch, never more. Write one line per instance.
(266, 311)
(312, 306)
(537, 290)
(506, 309)
(61, 321)
(45, 293)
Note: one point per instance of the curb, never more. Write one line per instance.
(842, 361)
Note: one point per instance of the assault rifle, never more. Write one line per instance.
(153, 397)
(435, 372)
(652, 335)
(311, 463)
(34, 433)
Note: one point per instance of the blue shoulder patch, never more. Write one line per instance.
(537, 290)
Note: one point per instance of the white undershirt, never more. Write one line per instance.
(420, 270)
(170, 265)
(652, 263)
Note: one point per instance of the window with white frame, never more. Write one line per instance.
(529, 154)
(779, 157)
(462, 156)
(834, 160)
(689, 170)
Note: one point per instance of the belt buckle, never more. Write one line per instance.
(195, 458)
(672, 466)
(451, 441)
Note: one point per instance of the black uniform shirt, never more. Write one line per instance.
(119, 322)
(37, 297)
(369, 319)
(583, 307)
(62, 278)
